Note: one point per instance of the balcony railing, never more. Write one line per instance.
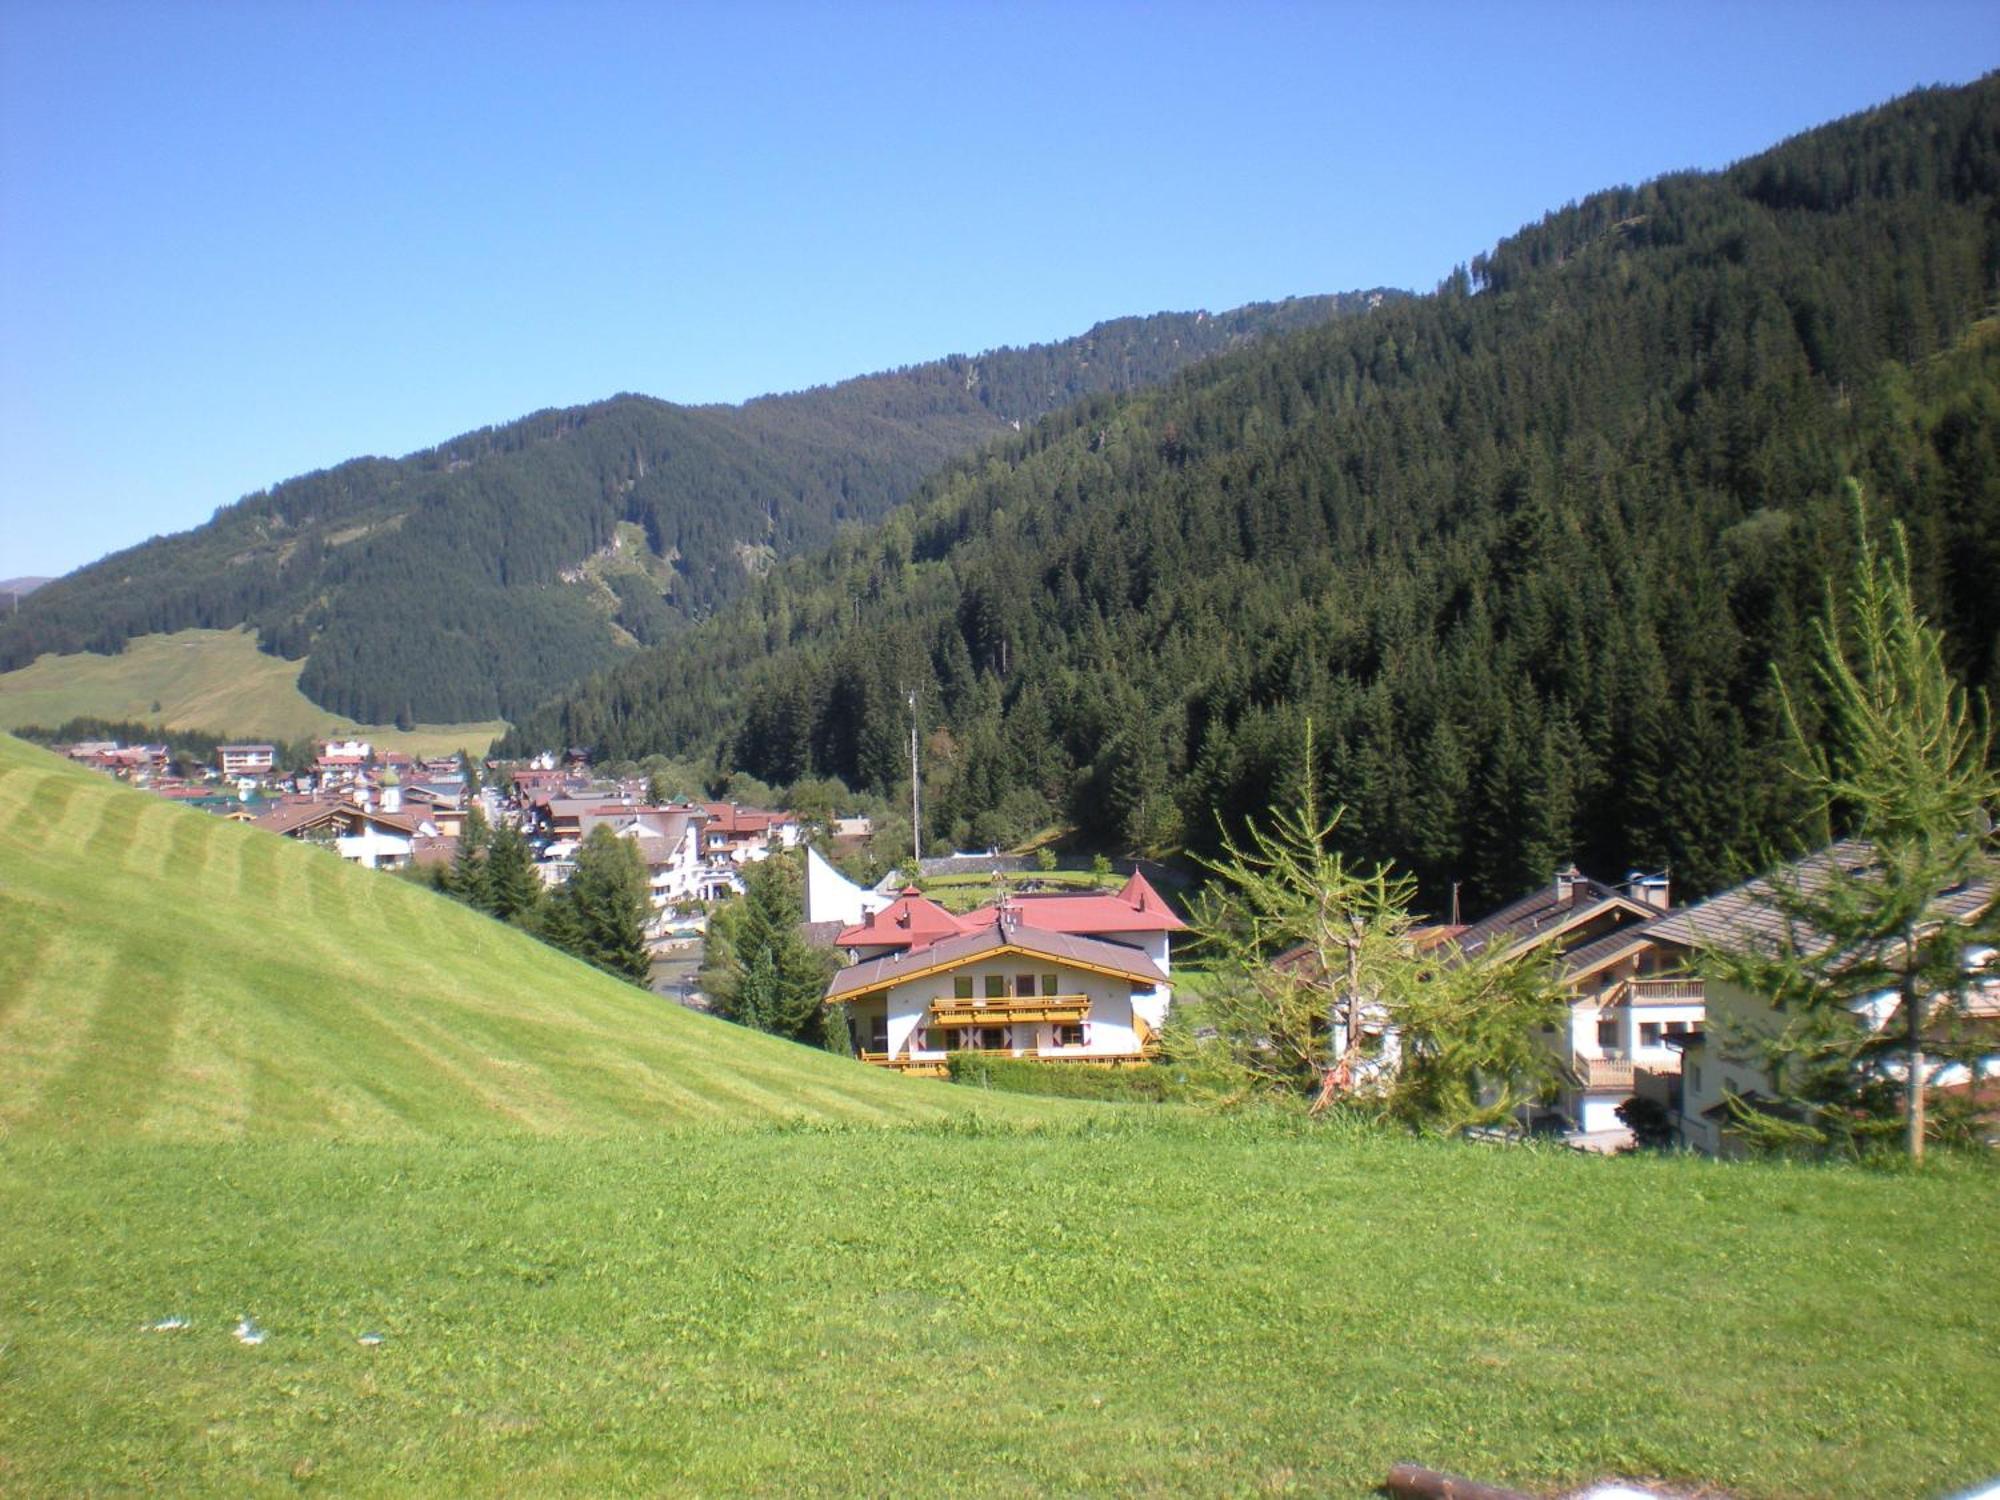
(1682, 991)
(1601, 1072)
(1004, 1010)
(921, 1067)
(933, 1065)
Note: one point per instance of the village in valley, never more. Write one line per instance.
(996, 751)
(1050, 970)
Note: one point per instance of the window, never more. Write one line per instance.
(1607, 1033)
(1024, 984)
(1677, 1028)
(1070, 1036)
(878, 1034)
(1051, 984)
(1649, 1033)
(961, 987)
(996, 986)
(1697, 1078)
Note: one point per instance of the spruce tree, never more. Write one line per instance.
(759, 969)
(600, 913)
(513, 888)
(466, 879)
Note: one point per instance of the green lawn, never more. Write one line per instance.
(615, 1247)
(963, 893)
(1162, 1308)
(213, 680)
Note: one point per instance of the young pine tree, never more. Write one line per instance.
(760, 969)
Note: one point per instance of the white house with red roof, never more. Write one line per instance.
(743, 834)
(1058, 978)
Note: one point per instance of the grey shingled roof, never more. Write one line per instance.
(1541, 911)
(1748, 917)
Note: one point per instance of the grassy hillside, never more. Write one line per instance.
(1160, 1310)
(214, 680)
(165, 975)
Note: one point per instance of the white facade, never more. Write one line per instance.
(832, 897)
(375, 848)
(904, 1023)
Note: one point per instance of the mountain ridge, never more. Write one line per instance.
(1524, 550)
(428, 587)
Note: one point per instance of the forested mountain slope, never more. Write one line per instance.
(472, 580)
(1524, 550)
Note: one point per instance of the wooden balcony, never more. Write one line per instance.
(915, 1067)
(1602, 1073)
(935, 1066)
(1005, 1010)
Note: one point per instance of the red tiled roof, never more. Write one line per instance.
(911, 921)
(727, 817)
(1099, 911)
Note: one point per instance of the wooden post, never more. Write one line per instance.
(1415, 1482)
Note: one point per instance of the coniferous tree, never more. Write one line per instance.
(513, 888)
(758, 967)
(1317, 966)
(466, 878)
(1870, 974)
(599, 913)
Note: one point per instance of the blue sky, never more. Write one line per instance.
(240, 241)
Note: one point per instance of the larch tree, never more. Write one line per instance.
(1326, 990)
(1871, 972)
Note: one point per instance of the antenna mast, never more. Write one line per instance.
(916, 804)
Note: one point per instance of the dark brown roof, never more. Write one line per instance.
(821, 934)
(1582, 959)
(1547, 910)
(290, 817)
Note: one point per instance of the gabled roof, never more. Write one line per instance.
(743, 822)
(911, 921)
(1748, 915)
(291, 817)
(1549, 911)
(1585, 959)
(1136, 908)
(991, 941)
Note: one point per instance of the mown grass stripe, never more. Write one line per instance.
(117, 1064)
(24, 949)
(102, 829)
(46, 1030)
(42, 803)
(297, 995)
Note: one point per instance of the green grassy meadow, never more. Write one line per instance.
(960, 894)
(1169, 1307)
(167, 975)
(212, 680)
(613, 1247)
